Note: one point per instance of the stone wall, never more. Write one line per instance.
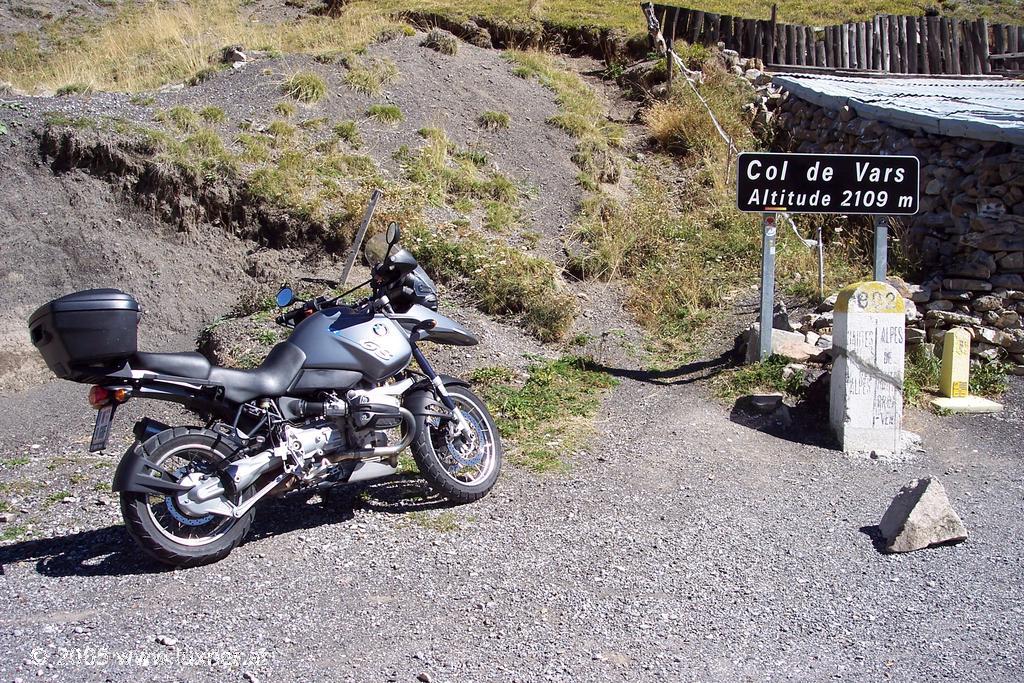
(967, 239)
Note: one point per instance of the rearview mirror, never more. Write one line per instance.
(285, 297)
(393, 234)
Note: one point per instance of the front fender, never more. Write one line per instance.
(420, 397)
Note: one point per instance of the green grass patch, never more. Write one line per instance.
(441, 41)
(370, 76)
(348, 131)
(181, 117)
(13, 532)
(763, 376)
(213, 114)
(989, 379)
(255, 148)
(281, 132)
(16, 461)
(548, 417)
(444, 173)
(494, 120)
(385, 113)
(74, 89)
(305, 87)
(444, 521)
(285, 109)
(921, 372)
(502, 279)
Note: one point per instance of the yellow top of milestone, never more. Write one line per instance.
(869, 297)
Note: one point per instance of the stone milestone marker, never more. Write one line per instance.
(955, 379)
(866, 402)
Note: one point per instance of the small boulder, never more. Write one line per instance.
(920, 516)
(780, 318)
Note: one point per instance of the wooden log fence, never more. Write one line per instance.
(888, 43)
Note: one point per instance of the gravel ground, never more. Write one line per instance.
(683, 546)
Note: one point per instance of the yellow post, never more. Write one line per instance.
(956, 363)
(954, 382)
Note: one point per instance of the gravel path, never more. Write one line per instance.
(685, 546)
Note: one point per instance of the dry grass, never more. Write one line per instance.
(581, 115)
(305, 87)
(149, 45)
(370, 76)
(441, 41)
(626, 14)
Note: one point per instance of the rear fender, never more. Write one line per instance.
(136, 473)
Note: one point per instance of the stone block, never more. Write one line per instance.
(920, 516)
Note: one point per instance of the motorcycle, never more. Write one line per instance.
(338, 401)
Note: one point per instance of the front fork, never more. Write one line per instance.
(442, 392)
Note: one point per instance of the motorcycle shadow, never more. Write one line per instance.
(109, 551)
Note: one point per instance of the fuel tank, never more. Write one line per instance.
(338, 339)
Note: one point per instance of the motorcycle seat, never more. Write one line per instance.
(271, 379)
(191, 365)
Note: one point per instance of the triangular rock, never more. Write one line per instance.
(920, 516)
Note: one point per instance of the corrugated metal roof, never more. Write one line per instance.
(982, 109)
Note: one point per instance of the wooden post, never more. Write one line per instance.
(860, 43)
(946, 66)
(894, 45)
(1011, 46)
(884, 39)
(954, 49)
(725, 34)
(967, 36)
(820, 58)
(923, 57)
(696, 27)
(876, 43)
(714, 28)
(845, 43)
(986, 65)
(911, 45)
(934, 53)
(772, 33)
(901, 32)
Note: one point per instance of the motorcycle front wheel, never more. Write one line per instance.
(163, 529)
(461, 470)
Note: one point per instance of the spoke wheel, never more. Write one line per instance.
(160, 525)
(459, 468)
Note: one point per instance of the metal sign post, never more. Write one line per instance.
(881, 247)
(768, 232)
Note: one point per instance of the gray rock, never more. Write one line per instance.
(792, 345)
(762, 403)
(987, 303)
(1008, 280)
(828, 304)
(780, 318)
(167, 641)
(920, 516)
(964, 284)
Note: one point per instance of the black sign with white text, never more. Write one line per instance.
(828, 183)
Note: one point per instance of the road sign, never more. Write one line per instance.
(828, 183)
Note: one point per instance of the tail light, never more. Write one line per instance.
(101, 396)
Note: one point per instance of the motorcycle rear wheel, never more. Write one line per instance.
(460, 472)
(161, 528)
